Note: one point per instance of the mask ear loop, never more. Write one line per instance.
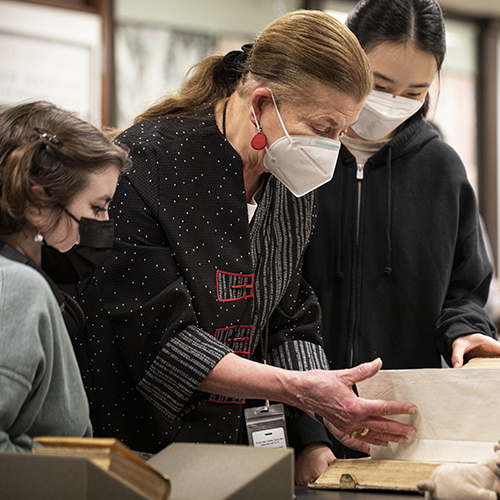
(256, 141)
(77, 221)
(279, 116)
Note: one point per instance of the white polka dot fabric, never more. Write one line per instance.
(190, 280)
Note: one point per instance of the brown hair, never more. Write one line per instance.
(293, 52)
(59, 164)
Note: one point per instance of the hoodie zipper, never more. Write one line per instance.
(360, 175)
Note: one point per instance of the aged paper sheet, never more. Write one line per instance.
(458, 418)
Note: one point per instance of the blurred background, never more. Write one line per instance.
(109, 60)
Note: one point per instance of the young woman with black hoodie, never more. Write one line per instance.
(397, 257)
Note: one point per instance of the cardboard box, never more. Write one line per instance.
(38, 477)
(227, 472)
(204, 471)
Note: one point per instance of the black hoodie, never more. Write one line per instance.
(400, 271)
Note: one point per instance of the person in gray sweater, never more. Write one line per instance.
(57, 177)
(41, 390)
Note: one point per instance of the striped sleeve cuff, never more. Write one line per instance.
(170, 383)
(299, 355)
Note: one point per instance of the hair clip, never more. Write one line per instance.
(48, 139)
(233, 61)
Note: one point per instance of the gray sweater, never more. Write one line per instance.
(41, 392)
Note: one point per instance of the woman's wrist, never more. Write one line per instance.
(234, 376)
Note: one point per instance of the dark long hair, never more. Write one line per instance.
(419, 22)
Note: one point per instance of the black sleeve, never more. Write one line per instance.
(462, 312)
(150, 311)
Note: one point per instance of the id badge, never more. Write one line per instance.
(266, 426)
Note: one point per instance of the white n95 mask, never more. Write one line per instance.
(301, 162)
(382, 113)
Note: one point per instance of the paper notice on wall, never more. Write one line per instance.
(458, 418)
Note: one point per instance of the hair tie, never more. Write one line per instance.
(47, 139)
(233, 61)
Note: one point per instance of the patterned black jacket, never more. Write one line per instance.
(189, 280)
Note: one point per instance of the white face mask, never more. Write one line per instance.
(301, 162)
(382, 113)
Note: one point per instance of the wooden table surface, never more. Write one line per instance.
(305, 493)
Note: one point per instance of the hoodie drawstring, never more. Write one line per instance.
(339, 275)
(388, 267)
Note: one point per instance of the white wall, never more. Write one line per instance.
(53, 54)
(479, 8)
(486, 8)
(209, 16)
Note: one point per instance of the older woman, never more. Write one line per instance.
(57, 177)
(202, 308)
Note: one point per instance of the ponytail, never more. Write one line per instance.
(293, 52)
(206, 83)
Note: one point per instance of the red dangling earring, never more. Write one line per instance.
(259, 140)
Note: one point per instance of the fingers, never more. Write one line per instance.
(312, 461)
(384, 438)
(355, 444)
(457, 357)
(385, 408)
(389, 430)
(362, 443)
(486, 345)
(377, 442)
(371, 414)
(473, 345)
(350, 413)
(381, 435)
(494, 346)
(363, 371)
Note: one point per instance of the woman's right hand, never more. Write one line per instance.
(330, 395)
(327, 393)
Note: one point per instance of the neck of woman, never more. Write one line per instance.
(350, 133)
(24, 243)
(239, 131)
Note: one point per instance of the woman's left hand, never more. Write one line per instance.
(475, 345)
(312, 461)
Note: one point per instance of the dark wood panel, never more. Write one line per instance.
(85, 5)
(487, 128)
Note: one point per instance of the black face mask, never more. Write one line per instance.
(85, 257)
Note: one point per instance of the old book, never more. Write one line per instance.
(483, 363)
(112, 456)
(368, 474)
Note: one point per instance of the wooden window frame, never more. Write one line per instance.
(104, 8)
